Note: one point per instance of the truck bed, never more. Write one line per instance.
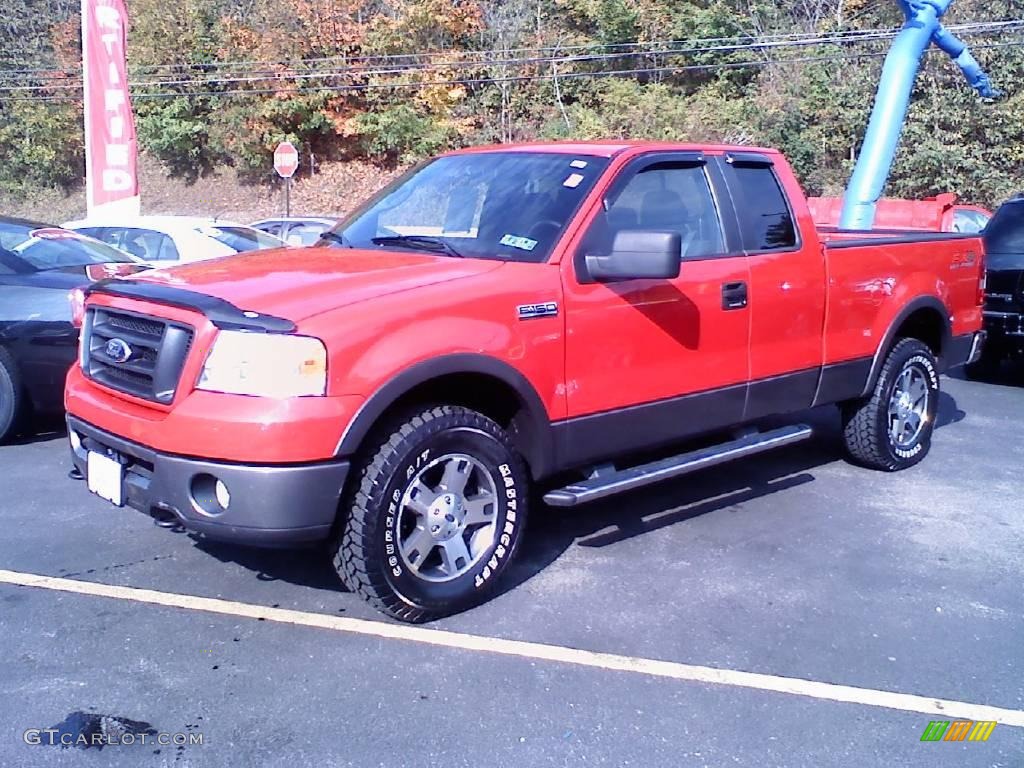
(874, 275)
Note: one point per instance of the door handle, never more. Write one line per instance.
(734, 295)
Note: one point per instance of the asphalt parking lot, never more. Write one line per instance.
(795, 565)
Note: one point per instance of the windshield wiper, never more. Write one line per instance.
(422, 242)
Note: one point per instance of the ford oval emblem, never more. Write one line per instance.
(118, 350)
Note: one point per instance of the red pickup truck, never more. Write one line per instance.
(496, 319)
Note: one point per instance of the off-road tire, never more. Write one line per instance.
(11, 395)
(365, 553)
(866, 422)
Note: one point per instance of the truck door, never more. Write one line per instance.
(651, 361)
(787, 286)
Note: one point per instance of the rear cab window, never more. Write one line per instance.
(765, 216)
(274, 228)
(305, 233)
(146, 244)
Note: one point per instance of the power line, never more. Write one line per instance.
(453, 52)
(984, 28)
(760, 63)
(484, 57)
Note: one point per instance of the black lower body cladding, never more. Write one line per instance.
(272, 505)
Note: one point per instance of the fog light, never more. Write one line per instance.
(76, 441)
(221, 492)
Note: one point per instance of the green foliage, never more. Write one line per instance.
(246, 133)
(40, 146)
(398, 133)
(177, 130)
(813, 103)
(623, 108)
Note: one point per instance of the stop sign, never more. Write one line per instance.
(286, 159)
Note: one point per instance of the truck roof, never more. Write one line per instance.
(608, 148)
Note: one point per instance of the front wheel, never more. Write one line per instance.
(11, 404)
(436, 517)
(892, 428)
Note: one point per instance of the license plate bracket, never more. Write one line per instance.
(106, 477)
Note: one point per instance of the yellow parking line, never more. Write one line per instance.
(535, 651)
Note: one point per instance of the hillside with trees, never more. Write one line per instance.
(217, 83)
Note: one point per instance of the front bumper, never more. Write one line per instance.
(270, 505)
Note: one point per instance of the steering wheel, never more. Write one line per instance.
(538, 225)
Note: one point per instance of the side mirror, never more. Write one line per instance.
(636, 254)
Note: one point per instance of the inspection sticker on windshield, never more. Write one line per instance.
(522, 243)
(578, 164)
(573, 180)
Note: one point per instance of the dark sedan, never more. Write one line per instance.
(40, 267)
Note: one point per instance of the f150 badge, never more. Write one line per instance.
(544, 309)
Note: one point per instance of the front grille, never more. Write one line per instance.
(137, 324)
(142, 356)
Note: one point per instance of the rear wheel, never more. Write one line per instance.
(436, 517)
(892, 428)
(11, 398)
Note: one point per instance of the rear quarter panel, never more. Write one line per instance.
(871, 283)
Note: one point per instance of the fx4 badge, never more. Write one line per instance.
(544, 309)
(963, 260)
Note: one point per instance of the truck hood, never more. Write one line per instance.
(298, 283)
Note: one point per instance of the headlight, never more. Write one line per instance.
(265, 365)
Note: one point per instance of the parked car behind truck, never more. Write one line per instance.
(1004, 296)
(163, 241)
(41, 267)
(497, 318)
(297, 230)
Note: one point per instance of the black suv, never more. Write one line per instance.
(1004, 292)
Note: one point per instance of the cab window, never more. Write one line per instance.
(664, 197)
(147, 244)
(766, 222)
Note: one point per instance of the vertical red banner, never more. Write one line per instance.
(111, 180)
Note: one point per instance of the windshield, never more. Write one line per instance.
(1004, 237)
(243, 239)
(33, 249)
(968, 221)
(499, 205)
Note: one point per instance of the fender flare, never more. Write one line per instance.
(535, 436)
(921, 302)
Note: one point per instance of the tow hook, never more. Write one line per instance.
(164, 518)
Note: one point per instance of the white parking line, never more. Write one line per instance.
(535, 651)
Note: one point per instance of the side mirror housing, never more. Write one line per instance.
(636, 254)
